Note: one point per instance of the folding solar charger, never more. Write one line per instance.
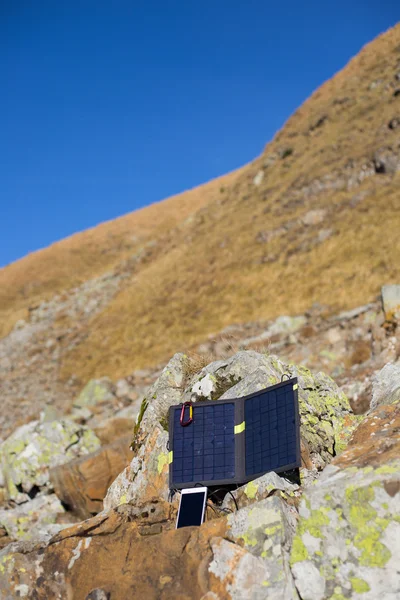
(234, 441)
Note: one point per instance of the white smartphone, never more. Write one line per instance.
(192, 507)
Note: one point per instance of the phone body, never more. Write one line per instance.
(192, 506)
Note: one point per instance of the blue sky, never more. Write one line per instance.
(107, 106)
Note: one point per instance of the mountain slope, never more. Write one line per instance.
(68, 263)
(314, 218)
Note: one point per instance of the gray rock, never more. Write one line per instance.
(386, 386)
(97, 594)
(34, 520)
(259, 489)
(348, 538)
(122, 388)
(391, 301)
(32, 449)
(314, 217)
(95, 392)
(244, 576)
(386, 161)
(146, 476)
(286, 324)
(264, 525)
(257, 180)
(165, 392)
(259, 567)
(310, 583)
(223, 379)
(347, 315)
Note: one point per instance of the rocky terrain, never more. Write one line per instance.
(288, 265)
(334, 536)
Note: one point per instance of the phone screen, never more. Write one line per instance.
(191, 509)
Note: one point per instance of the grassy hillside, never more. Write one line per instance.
(314, 218)
(63, 265)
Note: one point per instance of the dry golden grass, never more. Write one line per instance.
(194, 363)
(210, 270)
(91, 253)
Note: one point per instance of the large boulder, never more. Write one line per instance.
(348, 538)
(82, 483)
(28, 454)
(326, 418)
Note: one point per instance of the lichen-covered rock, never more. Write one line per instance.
(326, 418)
(98, 401)
(265, 529)
(165, 392)
(386, 386)
(95, 392)
(35, 520)
(347, 541)
(286, 324)
(32, 449)
(146, 476)
(259, 489)
(239, 575)
(348, 537)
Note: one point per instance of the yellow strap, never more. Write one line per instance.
(240, 428)
(170, 457)
(295, 386)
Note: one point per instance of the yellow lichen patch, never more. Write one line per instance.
(359, 585)
(251, 490)
(368, 528)
(161, 462)
(299, 551)
(314, 522)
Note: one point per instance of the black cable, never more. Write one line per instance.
(172, 493)
(217, 508)
(212, 507)
(229, 492)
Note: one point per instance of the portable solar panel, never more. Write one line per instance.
(234, 441)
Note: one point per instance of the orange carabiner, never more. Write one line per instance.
(182, 418)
